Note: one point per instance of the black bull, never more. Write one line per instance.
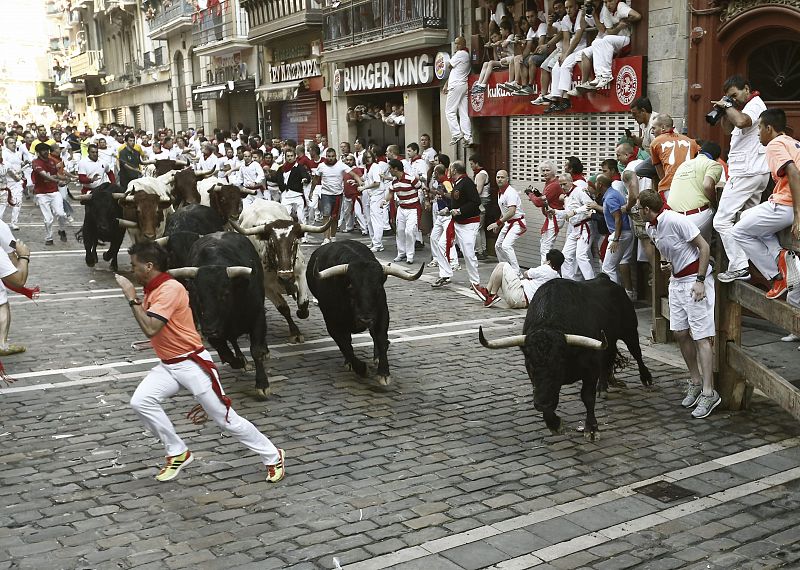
(570, 335)
(348, 281)
(100, 223)
(226, 293)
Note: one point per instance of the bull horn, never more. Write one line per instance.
(586, 341)
(238, 271)
(505, 342)
(335, 271)
(118, 195)
(397, 271)
(248, 231)
(127, 223)
(129, 198)
(162, 241)
(248, 191)
(203, 173)
(183, 272)
(165, 200)
(84, 197)
(316, 229)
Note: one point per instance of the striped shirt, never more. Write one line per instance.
(407, 191)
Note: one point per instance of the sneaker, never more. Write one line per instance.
(509, 86)
(693, 392)
(480, 291)
(491, 301)
(48, 242)
(399, 258)
(790, 338)
(600, 82)
(304, 239)
(778, 288)
(441, 282)
(541, 100)
(573, 93)
(706, 404)
(377, 248)
(455, 140)
(728, 276)
(524, 91)
(788, 264)
(433, 263)
(468, 141)
(481, 256)
(455, 266)
(276, 472)
(410, 260)
(174, 466)
(326, 241)
(418, 245)
(62, 235)
(14, 227)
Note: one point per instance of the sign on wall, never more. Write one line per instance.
(226, 68)
(410, 71)
(294, 71)
(628, 84)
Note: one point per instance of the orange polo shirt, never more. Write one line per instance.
(170, 303)
(782, 150)
(671, 150)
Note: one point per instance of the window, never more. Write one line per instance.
(774, 70)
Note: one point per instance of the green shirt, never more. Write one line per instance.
(686, 191)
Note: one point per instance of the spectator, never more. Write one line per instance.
(693, 189)
(668, 151)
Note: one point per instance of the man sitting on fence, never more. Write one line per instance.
(755, 232)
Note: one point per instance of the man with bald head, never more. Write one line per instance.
(668, 151)
(619, 253)
(457, 107)
(511, 224)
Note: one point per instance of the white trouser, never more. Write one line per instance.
(465, 238)
(561, 81)
(295, 206)
(165, 380)
(361, 209)
(703, 220)
(505, 282)
(548, 238)
(623, 256)
(346, 219)
(377, 216)
(16, 198)
(603, 51)
(456, 111)
(480, 241)
(578, 251)
(739, 192)
(406, 223)
(312, 201)
(438, 241)
(504, 246)
(50, 204)
(755, 234)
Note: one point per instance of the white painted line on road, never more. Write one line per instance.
(610, 533)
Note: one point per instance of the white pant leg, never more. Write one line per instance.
(583, 254)
(346, 219)
(361, 211)
(3, 203)
(546, 241)
(703, 220)
(569, 268)
(504, 246)
(604, 50)
(16, 197)
(510, 287)
(43, 201)
(555, 79)
(564, 83)
(755, 234)
(157, 386)
(623, 255)
(465, 236)
(295, 206)
(376, 217)
(444, 258)
(739, 192)
(457, 111)
(406, 231)
(437, 233)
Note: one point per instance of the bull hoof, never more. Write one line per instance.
(384, 380)
(114, 266)
(593, 435)
(602, 394)
(238, 363)
(302, 313)
(90, 262)
(107, 256)
(247, 367)
(615, 382)
(558, 430)
(296, 338)
(358, 367)
(263, 393)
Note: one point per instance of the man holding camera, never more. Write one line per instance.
(747, 166)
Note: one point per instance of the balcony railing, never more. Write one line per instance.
(86, 64)
(154, 58)
(278, 12)
(168, 15)
(227, 21)
(359, 21)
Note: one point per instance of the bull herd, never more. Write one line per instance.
(231, 253)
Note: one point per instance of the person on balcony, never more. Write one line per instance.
(457, 106)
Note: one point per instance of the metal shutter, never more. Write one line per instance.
(158, 116)
(242, 107)
(138, 121)
(300, 118)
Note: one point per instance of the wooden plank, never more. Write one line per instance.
(788, 241)
(730, 384)
(783, 393)
(779, 313)
(660, 327)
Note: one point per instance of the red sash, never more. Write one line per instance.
(450, 238)
(211, 370)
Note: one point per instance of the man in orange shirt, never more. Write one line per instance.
(668, 151)
(755, 231)
(166, 319)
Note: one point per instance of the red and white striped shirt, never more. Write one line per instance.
(407, 191)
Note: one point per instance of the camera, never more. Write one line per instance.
(589, 8)
(714, 116)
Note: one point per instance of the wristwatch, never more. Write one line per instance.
(132, 302)
(701, 278)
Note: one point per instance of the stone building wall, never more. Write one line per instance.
(667, 58)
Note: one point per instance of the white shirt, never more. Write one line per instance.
(236, 176)
(252, 174)
(162, 155)
(331, 177)
(175, 153)
(206, 164)
(568, 25)
(222, 163)
(536, 277)
(359, 158)
(510, 197)
(417, 168)
(577, 201)
(372, 175)
(486, 189)
(90, 168)
(747, 156)
(460, 64)
(610, 20)
(13, 162)
(429, 154)
(108, 156)
(671, 235)
(148, 152)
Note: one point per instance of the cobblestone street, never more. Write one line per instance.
(449, 467)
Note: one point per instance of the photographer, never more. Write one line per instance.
(747, 167)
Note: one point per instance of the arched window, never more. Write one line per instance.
(774, 69)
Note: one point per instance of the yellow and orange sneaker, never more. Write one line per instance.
(174, 465)
(276, 472)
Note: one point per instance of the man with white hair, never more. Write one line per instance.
(578, 245)
(550, 200)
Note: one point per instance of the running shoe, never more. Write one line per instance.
(600, 82)
(778, 288)
(693, 392)
(276, 472)
(410, 260)
(525, 90)
(706, 404)
(728, 276)
(433, 263)
(790, 338)
(441, 282)
(377, 248)
(174, 465)
(491, 301)
(541, 100)
(326, 241)
(480, 291)
(62, 235)
(399, 258)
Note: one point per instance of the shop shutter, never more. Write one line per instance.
(301, 117)
(138, 122)
(158, 116)
(242, 108)
(119, 116)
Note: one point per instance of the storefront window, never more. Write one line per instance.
(774, 70)
(379, 119)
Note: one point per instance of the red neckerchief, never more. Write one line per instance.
(616, 177)
(156, 282)
(578, 177)
(382, 158)
(287, 166)
(477, 170)
(752, 94)
(418, 157)
(502, 189)
(457, 178)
